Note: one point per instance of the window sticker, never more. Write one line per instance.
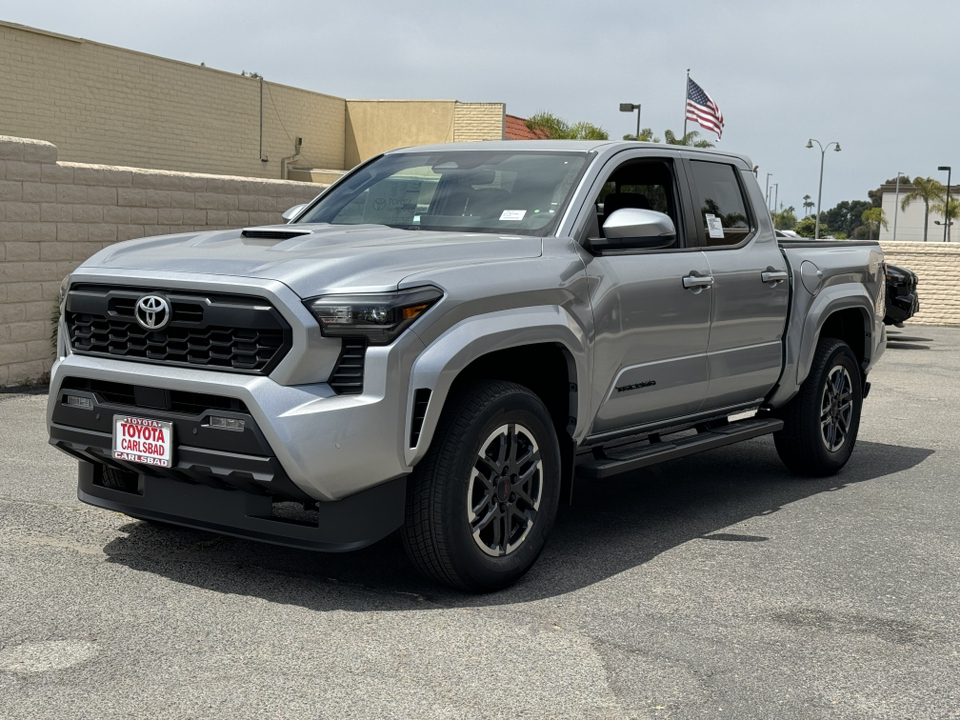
(714, 226)
(513, 214)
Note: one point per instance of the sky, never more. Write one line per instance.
(878, 77)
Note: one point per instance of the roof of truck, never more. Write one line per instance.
(599, 146)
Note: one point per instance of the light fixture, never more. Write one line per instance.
(225, 423)
(80, 402)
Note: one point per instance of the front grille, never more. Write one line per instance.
(347, 375)
(223, 332)
(177, 400)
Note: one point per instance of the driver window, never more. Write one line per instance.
(644, 184)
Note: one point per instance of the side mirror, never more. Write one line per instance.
(293, 212)
(634, 229)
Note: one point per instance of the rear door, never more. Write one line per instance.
(651, 331)
(751, 291)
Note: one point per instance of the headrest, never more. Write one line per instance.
(616, 201)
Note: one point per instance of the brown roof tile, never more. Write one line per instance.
(515, 128)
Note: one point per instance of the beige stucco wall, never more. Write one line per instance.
(937, 266)
(54, 215)
(103, 104)
(374, 126)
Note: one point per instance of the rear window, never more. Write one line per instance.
(723, 210)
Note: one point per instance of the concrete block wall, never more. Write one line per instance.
(937, 265)
(54, 215)
(474, 122)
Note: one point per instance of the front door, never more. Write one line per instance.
(652, 327)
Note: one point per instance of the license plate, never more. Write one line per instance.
(143, 440)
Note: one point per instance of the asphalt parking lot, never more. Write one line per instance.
(716, 586)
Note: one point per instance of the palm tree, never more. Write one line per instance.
(874, 218)
(926, 189)
(952, 214)
(646, 135)
(690, 139)
(808, 205)
(559, 129)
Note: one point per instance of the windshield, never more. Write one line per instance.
(467, 190)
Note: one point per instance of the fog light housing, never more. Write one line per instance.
(80, 402)
(225, 423)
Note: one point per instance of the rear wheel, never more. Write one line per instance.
(821, 423)
(481, 503)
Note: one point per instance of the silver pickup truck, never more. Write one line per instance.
(447, 337)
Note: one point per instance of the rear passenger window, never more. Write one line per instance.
(723, 211)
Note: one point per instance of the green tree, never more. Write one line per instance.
(808, 205)
(807, 226)
(874, 219)
(929, 191)
(951, 215)
(646, 135)
(845, 217)
(786, 219)
(690, 139)
(559, 129)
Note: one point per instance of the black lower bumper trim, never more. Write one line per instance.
(251, 473)
(349, 524)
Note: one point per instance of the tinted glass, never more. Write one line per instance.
(722, 207)
(644, 184)
(467, 190)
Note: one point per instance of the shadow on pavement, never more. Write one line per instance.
(611, 527)
(899, 341)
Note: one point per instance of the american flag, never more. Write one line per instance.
(702, 110)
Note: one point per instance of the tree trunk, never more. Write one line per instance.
(926, 219)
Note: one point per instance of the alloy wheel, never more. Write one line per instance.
(506, 485)
(836, 408)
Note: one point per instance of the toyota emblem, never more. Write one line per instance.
(153, 312)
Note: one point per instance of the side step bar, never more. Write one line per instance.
(656, 452)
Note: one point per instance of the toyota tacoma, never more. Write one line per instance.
(447, 338)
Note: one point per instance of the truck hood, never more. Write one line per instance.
(314, 259)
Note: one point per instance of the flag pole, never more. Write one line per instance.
(686, 94)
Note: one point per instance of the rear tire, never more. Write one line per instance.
(821, 423)
(482, 502)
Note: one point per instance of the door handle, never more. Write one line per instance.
(697, 282)
(773, 276)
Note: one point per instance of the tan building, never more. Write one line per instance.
(107, 105)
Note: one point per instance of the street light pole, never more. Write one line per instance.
(823, 152)
(767, 190)
(630, 107)
(896, 206)
(946, 206)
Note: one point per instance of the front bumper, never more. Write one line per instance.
(349, 524)
(337, 458)
(329, 446)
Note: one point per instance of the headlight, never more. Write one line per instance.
(380, 317)
(64, 286)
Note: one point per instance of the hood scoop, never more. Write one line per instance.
(268, 233)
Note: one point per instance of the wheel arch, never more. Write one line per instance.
(542, 349)
(843, 315)
(845, 312)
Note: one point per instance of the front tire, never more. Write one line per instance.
(821, 423)
(481, 503)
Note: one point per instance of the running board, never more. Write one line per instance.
(656, 452)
